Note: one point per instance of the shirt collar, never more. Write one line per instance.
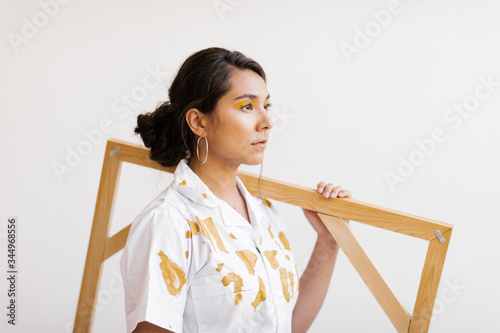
(254, 203)
(187, 183)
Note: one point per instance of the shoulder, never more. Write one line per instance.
(166, 212)
(160, 227)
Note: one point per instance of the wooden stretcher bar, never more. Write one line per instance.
(333, 213)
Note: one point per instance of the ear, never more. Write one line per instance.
(197, 121)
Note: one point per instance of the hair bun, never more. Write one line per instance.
(149, 124)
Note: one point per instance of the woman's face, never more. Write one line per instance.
(242, 121)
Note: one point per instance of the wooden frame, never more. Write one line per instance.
(332, 213)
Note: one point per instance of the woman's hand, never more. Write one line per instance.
(328, 191)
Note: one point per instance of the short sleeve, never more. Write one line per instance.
(156, 268)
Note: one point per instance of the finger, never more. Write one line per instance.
(345, 194)
(335, 191)
(328, 189)
(321, 187)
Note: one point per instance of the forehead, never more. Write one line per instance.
(246, 82)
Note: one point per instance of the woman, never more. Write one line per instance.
(206, 255)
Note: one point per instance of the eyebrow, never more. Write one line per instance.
(251, 96)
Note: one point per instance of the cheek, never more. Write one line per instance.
(238, 130)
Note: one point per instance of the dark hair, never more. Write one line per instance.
(201, 81)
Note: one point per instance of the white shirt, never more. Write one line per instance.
(193, 264)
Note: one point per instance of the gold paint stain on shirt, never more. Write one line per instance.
(187, 253)
(260, 236)
(210, 231)
(232, 236)
(290, 277)
(278, 245)
(238, 283)
(219, 267)
(284, 240)
(271, 257)
(183, 182)
(284, 283)
(261, 295)
(189, 234)
(172, 274)
(249, 258)
(267, 202)
(204, 196)
(269, 229)
(287, 256)
(194, 227)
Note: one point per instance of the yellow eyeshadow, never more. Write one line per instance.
(240, 104)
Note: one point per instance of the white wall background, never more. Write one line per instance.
(343, 119)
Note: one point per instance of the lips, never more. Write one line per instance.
(263, 141)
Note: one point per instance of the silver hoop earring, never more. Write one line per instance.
(198, 150)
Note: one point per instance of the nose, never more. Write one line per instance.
(266, 121)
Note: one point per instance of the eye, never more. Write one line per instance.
(268, 106)
(247, 107)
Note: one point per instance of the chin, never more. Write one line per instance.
(255, 161)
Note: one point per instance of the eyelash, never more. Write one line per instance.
(267, 106)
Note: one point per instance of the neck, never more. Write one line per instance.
(218, 176)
